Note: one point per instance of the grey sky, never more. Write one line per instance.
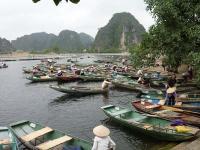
(20, 17)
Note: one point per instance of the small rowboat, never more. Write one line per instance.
(4, 66)
(185, 105)
(79, 90)
(67, 78)
(167, 112)
(149, 125)
(36, 136)
(7, 140)
(134, 86)
(91, 78)
(41, 78)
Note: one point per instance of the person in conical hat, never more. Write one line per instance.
(102, 140)
(171, 96)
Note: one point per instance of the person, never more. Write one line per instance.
(171, 81)
(105, 84)
(185, 76)
(82, 72)
(170, 96)
(60, 73)
(190, 72)
(140, 73)
(140, 80)
(51, 69)
(102, 140)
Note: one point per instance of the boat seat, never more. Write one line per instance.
(36, 134)
(52, 143)
(152, 106)
(162, 111)
(121, 112)
(5, 141)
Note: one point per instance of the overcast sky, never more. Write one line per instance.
(20, 17)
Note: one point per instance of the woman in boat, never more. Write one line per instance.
(102, 140)
(170, 96)
(105, 84)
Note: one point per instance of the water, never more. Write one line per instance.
(20, 100)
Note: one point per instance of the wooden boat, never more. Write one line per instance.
(134, 86)
(155, 127)
(185, 105)
(67, 78)
(189, 97)
(166, 112)
(41, 78)
(36, 136)
(7, 140)
(79, 90)
(91, 78)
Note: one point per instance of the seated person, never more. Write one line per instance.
(60, 73)
(106, 84)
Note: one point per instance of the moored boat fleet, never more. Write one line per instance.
(149, 114)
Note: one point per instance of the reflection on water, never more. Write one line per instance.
(75, 115)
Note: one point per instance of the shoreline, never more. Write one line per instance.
(27, 56)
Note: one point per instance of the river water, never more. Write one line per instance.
(21, 100)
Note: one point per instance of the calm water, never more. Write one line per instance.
(20, 100)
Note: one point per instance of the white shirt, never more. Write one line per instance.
(139, 72)
(105, 84)
(103, 143)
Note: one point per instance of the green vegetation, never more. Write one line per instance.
(175, 34)
(5, 46)
(58, 1)
(122, 31)
(67, 41)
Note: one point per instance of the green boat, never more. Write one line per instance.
(91, 78)
(79, 90)
(36, 136)
(7, 140)
(149, 125)
(41, 78)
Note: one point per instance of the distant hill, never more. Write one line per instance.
(69, 41)
(122, 31)
(35, 41)
(5, 46)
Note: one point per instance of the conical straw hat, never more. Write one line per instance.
(101, 131)
(171, 90)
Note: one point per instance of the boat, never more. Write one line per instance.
(3, 66)
(7, 139)
(189, 97)
(149, 125)
(41, 78)
(37, 136)
(68, 78)
(185, 105)
(166, 112)
(79, 90)
(134, 86)
(91, 78)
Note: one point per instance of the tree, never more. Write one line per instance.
(176, 31)
(58, 1)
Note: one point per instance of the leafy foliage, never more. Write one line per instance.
(58, 1)
(176, 31)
